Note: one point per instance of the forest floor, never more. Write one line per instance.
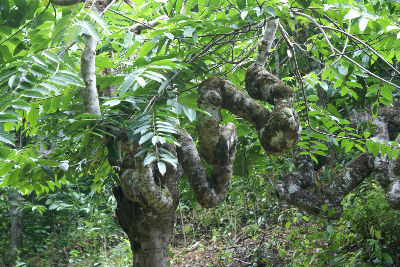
(238, 251)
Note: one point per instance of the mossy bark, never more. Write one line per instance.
(149, 232)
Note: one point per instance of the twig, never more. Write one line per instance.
(335, 50)
(365, 44)
(300, 80)
(340, 55)
(107, 7)
(122, 15)
(319, 27)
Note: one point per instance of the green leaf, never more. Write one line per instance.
(304, 3)
(99, 21)
(5, 117)
(162, 168)
(375, 109)
(243, 14)
(6, 138)
(49, 171)
(352, 14)
(388, 259)
(169, 35)
(90, 29)
(145, 137)
(270, 10)
(349, 146)
(129, 81)
(112, 102)
(312, 98)
(375, 148)
(188, 31)
(386, 92)
(72, 34)
(363, 23)
(343, 70)
(150, 158)
(190, 113)
(241, 4)
(141, 81)
(21, 104)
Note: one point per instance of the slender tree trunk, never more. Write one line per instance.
(15, 199)
(149, 233)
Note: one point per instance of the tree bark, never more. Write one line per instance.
(15, 199)
(89, 93)
(149, 232)
(299, 188)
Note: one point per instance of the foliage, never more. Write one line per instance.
(157, 73)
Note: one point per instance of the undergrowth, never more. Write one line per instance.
(251, 228)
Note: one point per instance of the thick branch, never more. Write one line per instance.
(266, 41)
(212, 191)
(283, 128)
(214, 94)
(300, 189)
(89, 94)
(307, 196)
(139, 183)
(277, 132)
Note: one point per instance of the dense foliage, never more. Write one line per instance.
(341, 57)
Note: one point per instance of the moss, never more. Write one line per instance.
(281, 90)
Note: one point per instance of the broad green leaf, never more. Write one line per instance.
(352, 14)
(243, 14)
(150, 158)
(162, 168)
(112, 102)
(375, 109)
(90, 29)
(312, 98)
(145, 137)
(169, 35)
(21, 104)
(363, 23)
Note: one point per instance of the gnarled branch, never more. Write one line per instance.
(300, 189)
(212, 191)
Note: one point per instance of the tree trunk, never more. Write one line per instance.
(148, 232)
(15, 214)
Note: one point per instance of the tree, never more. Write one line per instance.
(139, 136)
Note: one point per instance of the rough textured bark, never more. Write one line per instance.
(283, 129)
(300, 189)
(278, 131)
(393, 189)
(213, 190)
(15, 199)
(149, 232)
(146, 206)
